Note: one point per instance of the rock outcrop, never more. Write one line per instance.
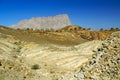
(104, 64)
(55, 22)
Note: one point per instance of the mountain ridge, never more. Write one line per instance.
(56, 22)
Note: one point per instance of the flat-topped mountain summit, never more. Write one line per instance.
(56, 22)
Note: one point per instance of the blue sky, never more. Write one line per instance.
(86, 13)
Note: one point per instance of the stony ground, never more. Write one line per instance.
(94, 60)
(103, 65)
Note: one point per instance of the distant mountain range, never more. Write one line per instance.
(56, 22)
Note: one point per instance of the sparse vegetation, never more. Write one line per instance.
(117, 29)
(101, 29)
(35, 67)
(112, 28)
(88, 28)
(19, 48)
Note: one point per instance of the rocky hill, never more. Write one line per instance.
(88, 34)
(34, 55)
(104, 63)
(21, 60)
(55, 22)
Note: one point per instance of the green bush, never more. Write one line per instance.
(19, 48)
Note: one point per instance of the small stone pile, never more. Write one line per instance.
(105, 64)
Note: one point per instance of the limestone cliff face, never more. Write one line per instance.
(55, 22)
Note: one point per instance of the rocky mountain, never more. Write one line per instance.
(55, 22)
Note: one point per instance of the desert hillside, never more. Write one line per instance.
(67, 54)
(69, 35)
